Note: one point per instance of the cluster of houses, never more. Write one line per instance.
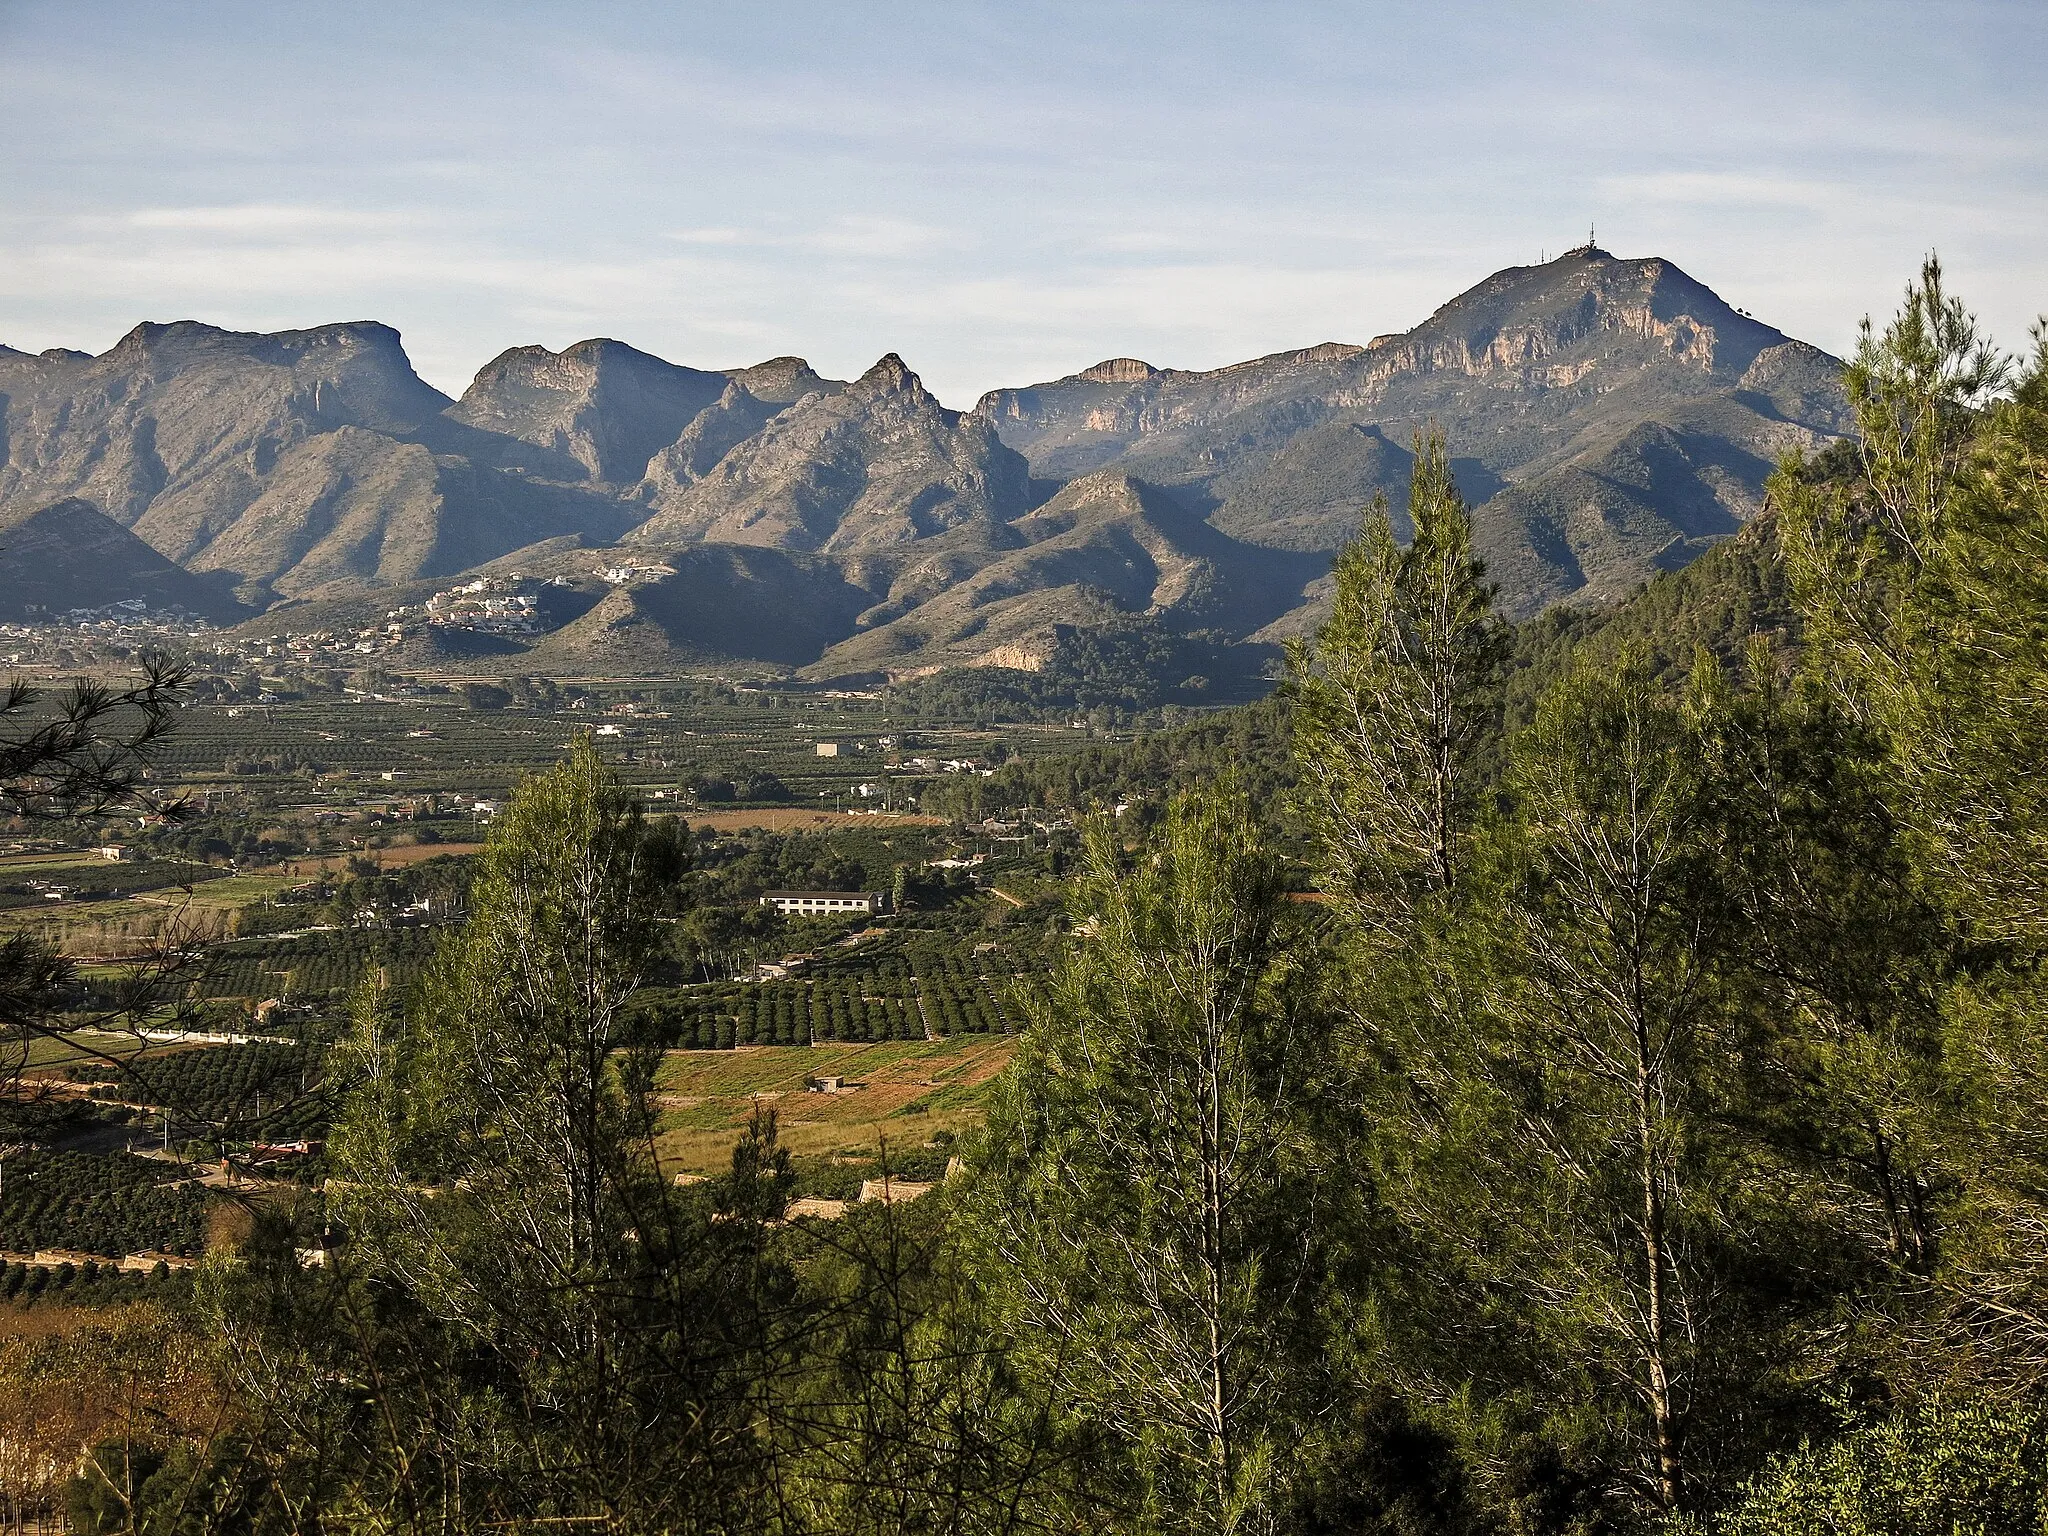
(491, 605)
(131, 623)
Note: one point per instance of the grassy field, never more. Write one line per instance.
(908, 1090)
(99, 928)
(45, 1055)
(14, 865)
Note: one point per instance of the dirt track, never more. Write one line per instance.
(804, 820)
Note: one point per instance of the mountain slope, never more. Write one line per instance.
(1104, 549)
(720, 602)
(1538, 372)
(606, 405)
(352, 506)
(1608, 418)
(736, 415)
(70, 554)
(178, 424)
(863, 471)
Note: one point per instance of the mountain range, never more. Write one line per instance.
(1608, 419)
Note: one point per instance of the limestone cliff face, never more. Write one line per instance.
(606, 405)
(867, 470)
(186, 419)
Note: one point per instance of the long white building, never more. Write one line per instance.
(825, 903)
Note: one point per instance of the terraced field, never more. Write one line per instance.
(902, 1092)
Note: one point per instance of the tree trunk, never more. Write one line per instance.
(1212, 1243)
(1662, 1416)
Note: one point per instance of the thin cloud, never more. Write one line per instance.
(260, 219)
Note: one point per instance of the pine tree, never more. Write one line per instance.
(1394, 701)
(602, 1328)
(1149, 1211)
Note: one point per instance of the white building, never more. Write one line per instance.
(825, 903)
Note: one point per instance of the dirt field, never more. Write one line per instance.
(903, 1090)
(390, 858)
(804, 820)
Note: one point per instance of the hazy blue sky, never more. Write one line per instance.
(1001, 192)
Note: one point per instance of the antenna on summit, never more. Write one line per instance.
(1590, 241)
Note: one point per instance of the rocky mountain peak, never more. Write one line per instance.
(581, 366)
(607, 406)
(876, 465)
(890, 375)
(48, 355)
(1118, 370)
(1580, 306)
(781, 380)
(186, 341)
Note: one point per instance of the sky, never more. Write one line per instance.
(1002, 193)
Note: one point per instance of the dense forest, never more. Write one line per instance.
(1641, 1133)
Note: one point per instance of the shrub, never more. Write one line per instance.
(1976, 1469)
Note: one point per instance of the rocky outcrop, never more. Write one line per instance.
(603, 404)
(869, 470)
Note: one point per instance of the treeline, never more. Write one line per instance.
(1641, 1135)
(1111, 673)
(1252, 741)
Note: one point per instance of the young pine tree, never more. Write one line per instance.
(496, 1167)
(1395, 699)
(1149, 1206)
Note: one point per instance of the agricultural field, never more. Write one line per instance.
(264, 1090)
(109, 1205)
(317, 968)
(778, 819)
(42, 1054)
(323, 841)
(889, 983)
(88, 906)
(902, 1093)
(327, 746)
